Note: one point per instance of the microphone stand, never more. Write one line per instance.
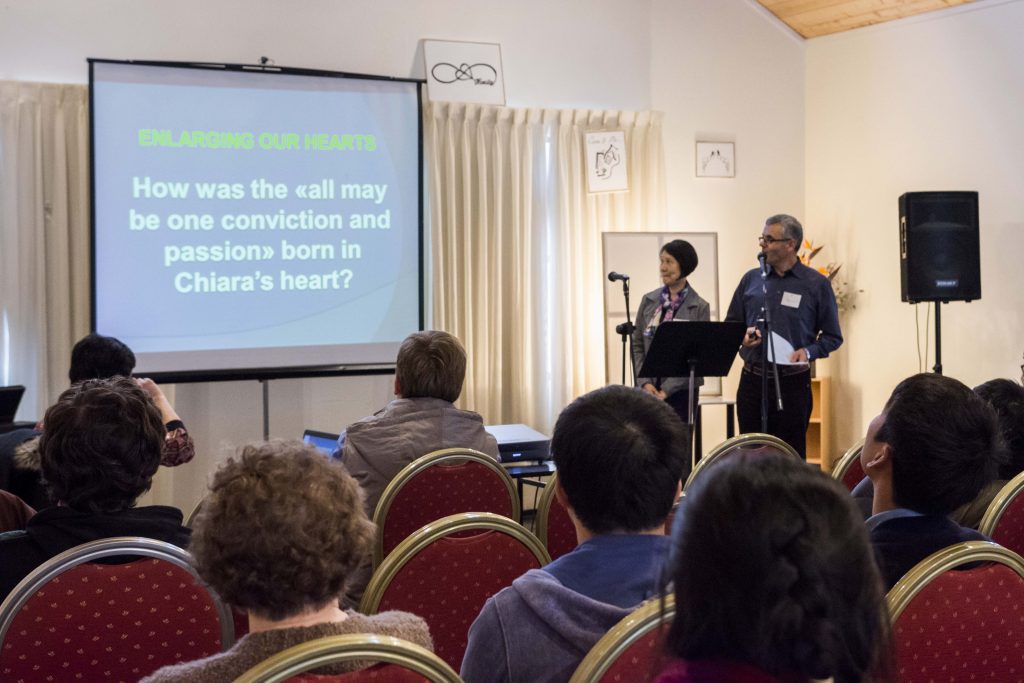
(766, 340)
(625, 330)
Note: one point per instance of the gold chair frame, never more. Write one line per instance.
(753, 438)
(108, 547)
(844, 463)
(411, 546)
(624, 634)
(351, 647)
(997, 507)
(547, 499)
(941, 561)
(445, 456)
(196, 509)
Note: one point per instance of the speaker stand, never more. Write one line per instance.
(937, 368)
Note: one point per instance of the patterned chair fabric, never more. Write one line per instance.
(554, 526)
(960, 625)
(1004, 520)
(399, 661)
(751, 441)
(848, 471)
(439, 484)
(632, 650)
(446, 577)
(71, 619)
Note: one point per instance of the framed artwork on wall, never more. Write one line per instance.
(716, 160)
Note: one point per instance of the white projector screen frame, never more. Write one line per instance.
(255, 222)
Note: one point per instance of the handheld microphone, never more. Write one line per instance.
(761, 259)
(613, 276)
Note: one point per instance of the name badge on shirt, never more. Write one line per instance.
(790, 299)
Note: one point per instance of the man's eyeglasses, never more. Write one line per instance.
(768, 240)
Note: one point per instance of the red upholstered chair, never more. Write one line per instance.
(848, 471)
(632, 650)
(445, 576)
(751, 441)
(1004, 520)
(554, 526)
(439, 484)
(399, 662)
(71, 619)
(960, 625)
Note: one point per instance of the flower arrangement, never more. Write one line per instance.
(845, 295)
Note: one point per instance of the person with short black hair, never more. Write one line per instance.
(98, 453)
(775, 580)
(933, 448)
(96, 356)
(676, 300)
(1007, 398)
(278, 536)
(621, 454)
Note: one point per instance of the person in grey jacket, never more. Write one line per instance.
(620, 454)
(676, 300)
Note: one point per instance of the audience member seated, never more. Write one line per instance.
(775, 580)
(429, 373)
(93, 357)
(933, 448)
(277, 537)
(98, 453)
(621, 454)
(1007, 398)
(14, 513)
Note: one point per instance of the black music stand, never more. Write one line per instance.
(693, 348)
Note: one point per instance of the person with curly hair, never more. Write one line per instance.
(278, 536)
(98, 453)
(775, 581)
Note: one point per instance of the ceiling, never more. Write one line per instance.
(813, 18)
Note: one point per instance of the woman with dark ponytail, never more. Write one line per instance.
(774, 580)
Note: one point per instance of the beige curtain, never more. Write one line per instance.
(44, 235)
(516, 247)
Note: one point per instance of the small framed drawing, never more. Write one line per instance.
(606, 161)
(716, 160)
(464, 72)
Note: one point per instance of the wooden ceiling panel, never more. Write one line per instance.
(812, 18)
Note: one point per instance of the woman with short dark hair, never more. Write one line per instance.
(675, 300)
(279, 534)
(775, 581)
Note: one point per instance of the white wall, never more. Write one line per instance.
(556, 54)
(930, 103)
(729, 71)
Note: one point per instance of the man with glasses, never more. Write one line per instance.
(805, 317)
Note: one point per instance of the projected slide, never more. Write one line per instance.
(254, 220)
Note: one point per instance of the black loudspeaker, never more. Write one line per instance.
(939, 252)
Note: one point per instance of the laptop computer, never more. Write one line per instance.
(10, 399)
(325, 441)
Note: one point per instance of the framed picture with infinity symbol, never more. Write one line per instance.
(464, 72)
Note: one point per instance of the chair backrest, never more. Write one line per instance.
(948, 624)
(399, 661)
(632, 649)
(445, 577)
(73, 619)
(848, 471)
(439, 484)
(752, 440)
(554, 526)
(1004, 519)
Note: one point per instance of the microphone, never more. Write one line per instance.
(613, 276)
(761, 259)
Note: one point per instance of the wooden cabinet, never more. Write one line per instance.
(819, 431)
